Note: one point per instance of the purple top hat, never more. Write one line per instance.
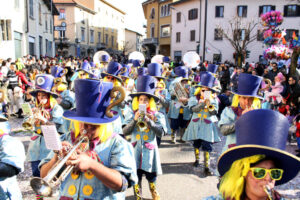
(57, 71)
(86, 67)
(44, 83)
(142, 71)
(182, 71)
(248, 85)
(136, 63)
(166, 59)
(262, 132)
(104, 58)
(212, 68)
(207, 80)
(125, 71)
(113, 69)
(92, 99)
(145, 85)
(155, 69)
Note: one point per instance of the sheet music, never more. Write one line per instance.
(26, 108)
(51, 136)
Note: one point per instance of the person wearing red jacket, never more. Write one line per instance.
(297, 122)
(22, 78)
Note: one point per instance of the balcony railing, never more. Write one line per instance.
(150, 41)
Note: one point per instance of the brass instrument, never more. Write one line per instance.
(39, 113)
(180, 92)
(44, 186)
(160, 86)
(141, 122)
(268, 85)
(113, 95)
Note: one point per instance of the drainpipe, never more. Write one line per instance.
(205, 23)
(200, 18)
(27, 20)
(158, 28)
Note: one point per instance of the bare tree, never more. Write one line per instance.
(127, 46)
(240, 33)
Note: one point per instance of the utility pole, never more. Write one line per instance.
(205, 23)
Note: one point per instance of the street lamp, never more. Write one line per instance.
(181, 13)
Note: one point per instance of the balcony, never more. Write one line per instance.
(150, 41)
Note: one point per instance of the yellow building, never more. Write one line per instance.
(158, 16)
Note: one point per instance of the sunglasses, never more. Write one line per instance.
(110, 78)
(260, 173)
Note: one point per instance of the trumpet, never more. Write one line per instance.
(44, 186)
(141, 122)
(268, 191)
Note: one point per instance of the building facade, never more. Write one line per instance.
(27, 28)
(158, 16)
(214, 47)
(91, 25)
(133, 41)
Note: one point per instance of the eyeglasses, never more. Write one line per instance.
(110, 78)
(260, 173)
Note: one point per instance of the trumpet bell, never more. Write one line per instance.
(41, 187)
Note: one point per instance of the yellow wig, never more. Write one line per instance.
(197, 91)
(235, 102)
(233, 182)
(115, 83)
(152, 104)
(104, 131)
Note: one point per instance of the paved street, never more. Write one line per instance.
(180, 180)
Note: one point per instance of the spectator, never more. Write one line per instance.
(294, 91)
(273, 72)
(224, 77)
(224, 101)
(234, 79)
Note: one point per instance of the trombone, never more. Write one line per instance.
(44, 186)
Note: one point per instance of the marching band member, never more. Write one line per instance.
(179, 113)
(112, 75)
(12, 159)
(245, 99)
(155, 70)
(46, 110)
(144, 126)
(107, 168)
(202, 129)
(258, 162)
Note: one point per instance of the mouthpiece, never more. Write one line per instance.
(268, 191)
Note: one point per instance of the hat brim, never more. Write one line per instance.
(34, 93)
(103, 74)
(288, 162)
(213, 89)
(72, 115)
(257, 96)
(144, 93)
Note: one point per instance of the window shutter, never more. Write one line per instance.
(285, 11)
(298, 11)
(237, 11)
(216, 11)
(260, 11)
(8, 28)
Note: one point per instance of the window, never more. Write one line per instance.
(62, 14)
(177, 56)
(82, 34)
(31, 45)
(193, 14)
(31, 8)
(41, 45)
(217, 58)
(62, 34)
(219, 11)
(242, 11)
(165, 10)
(266, 8)
(112, 41)
(92, 36)
(46, 43)
(192, 35)
(291, 11)
(178, 17)
(99, 37)
(5, 26)
(218, 34)
(152, 33)
(178, 37)
(289, 34)
(51, 26)
(106, 39)
(17, 4)
(165, 31)
(152, 15)
(241, 34)
(260, 35)
(46, 26)
(40, 14)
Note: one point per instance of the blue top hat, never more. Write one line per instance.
(86, 67)
(44, 83)
(130, 61)
(248, 85)
(166, 59)
(145, 85)
(113, 69)
(182, 71)
(142, 71)
(92, 99)
(104, 58)
(92, 64)
(57, 71)
(262, 132)
(155, 69)
(136, 63)
(125, 71)
(212, 68)
(207, 80)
